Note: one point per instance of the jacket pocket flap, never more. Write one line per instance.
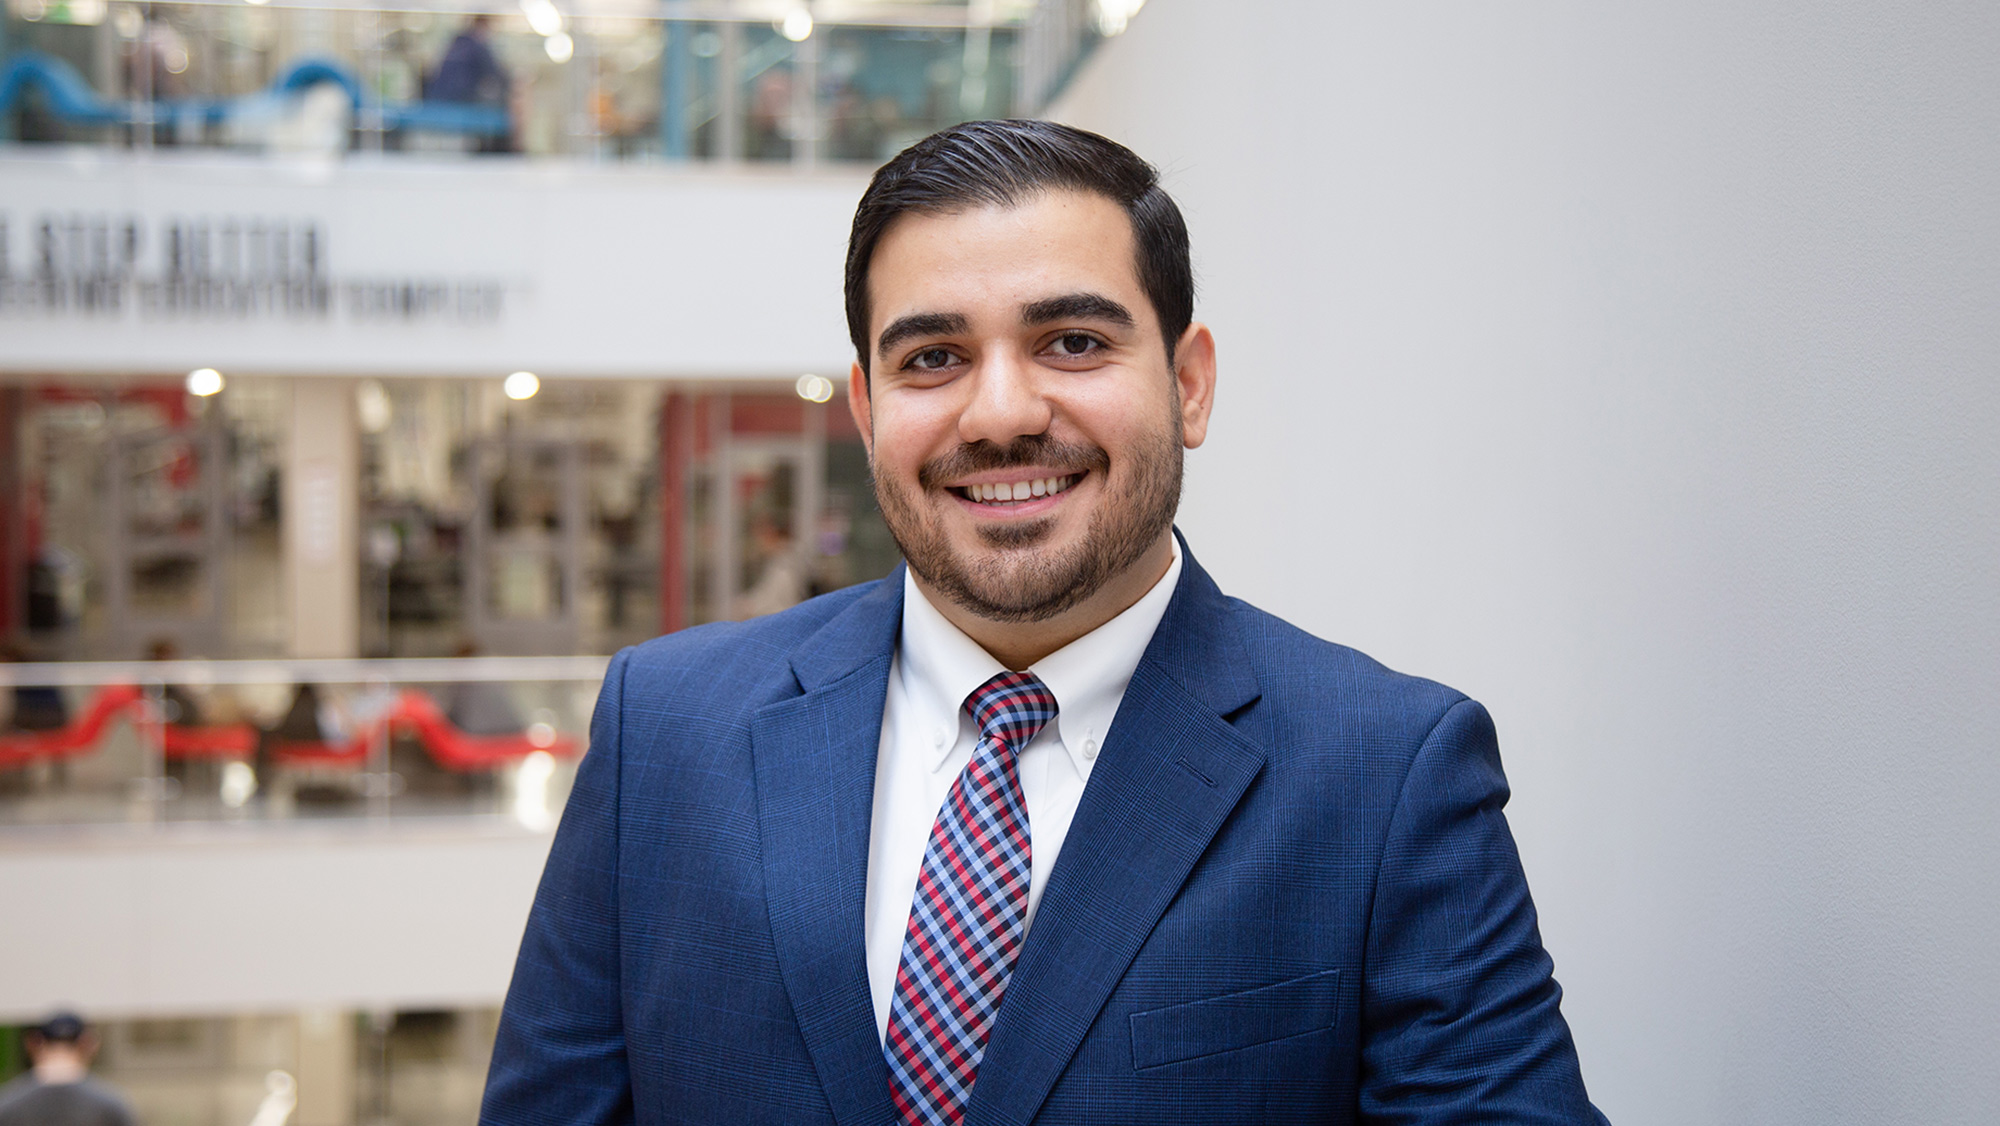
(1235, 1020)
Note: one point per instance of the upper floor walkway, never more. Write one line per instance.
(755, 81)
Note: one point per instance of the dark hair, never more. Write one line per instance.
(1001, 164)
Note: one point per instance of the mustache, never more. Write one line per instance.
(1028, 449)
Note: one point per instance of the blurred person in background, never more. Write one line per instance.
(155, 64)
(781, 571)
(767, 133)
(480, 707)
(193, 709)
(32, 707)
(58, 1089)
(178, 703)
(307, 719)
(470, 74)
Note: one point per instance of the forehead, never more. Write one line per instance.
(989, 257)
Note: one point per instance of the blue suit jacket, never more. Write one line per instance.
(1288, 895)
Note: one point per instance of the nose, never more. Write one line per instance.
(1007, 401)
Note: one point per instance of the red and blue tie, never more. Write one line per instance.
(969, 914)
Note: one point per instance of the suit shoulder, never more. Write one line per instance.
(743, 662)
(1309, 676)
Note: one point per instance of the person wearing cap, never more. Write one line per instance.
(58, 1089)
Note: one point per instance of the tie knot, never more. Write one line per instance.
(1011, 708)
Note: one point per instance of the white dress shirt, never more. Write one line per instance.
(927, 738)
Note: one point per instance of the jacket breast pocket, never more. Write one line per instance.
(1234, 1021)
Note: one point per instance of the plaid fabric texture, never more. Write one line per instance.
(969, 913)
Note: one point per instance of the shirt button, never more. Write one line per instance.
(937, 737)
(1089, 749)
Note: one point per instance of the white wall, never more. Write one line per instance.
(1633, 368)
(196, 919)
(609, 271)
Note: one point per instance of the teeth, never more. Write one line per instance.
(1020, 490)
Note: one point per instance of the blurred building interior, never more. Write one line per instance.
(370, 374)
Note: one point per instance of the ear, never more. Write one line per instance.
(859, 406)
(1194, 378)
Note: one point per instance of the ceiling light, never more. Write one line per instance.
(542, 16)
(204, 382)
(521, 385)
(815, 388)
(797, 25)
(1113, 16)
(559, 46)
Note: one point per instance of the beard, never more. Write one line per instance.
(1019, 576)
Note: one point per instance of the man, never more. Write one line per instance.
(58, 1089)
(468, 72)
(1042, 827)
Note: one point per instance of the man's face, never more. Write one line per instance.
(1025, 430)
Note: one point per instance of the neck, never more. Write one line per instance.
(59, 1067)
(1018, 645)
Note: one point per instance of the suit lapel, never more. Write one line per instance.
(1171, 769)
(815, 764)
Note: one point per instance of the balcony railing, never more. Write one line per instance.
(782, 81)
(150, 743)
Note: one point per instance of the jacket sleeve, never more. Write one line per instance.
(560, 1059)
(1459, 1004)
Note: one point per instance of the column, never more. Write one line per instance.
(326, 1068)
(321, 519)
(677, 449)
(14, 558)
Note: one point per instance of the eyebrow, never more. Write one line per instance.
(919, 324)
(1067, 307)
(1076, 307)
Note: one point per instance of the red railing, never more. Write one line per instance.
(414, 712)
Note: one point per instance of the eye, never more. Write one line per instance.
(930, 359)
(1074, 344)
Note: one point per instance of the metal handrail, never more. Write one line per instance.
(301, 670)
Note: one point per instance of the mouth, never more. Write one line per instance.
(1007, 494)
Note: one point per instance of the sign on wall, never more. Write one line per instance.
(123, 266)
(156, 263)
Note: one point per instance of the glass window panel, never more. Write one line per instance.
(883, 88)
(764, 92)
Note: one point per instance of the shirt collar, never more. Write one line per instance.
(940, 666)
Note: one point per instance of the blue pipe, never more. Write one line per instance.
(73, 100)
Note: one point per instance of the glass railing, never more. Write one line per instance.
(421, 1068)
(782, 81)
(151, 743)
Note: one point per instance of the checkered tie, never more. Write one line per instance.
(969, 914)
